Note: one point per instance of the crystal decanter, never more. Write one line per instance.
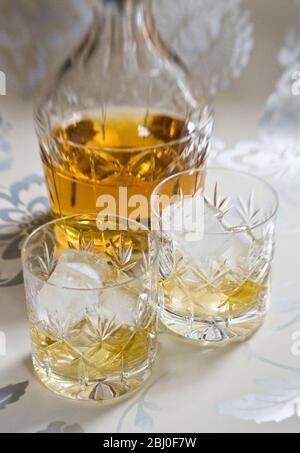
(123, 113)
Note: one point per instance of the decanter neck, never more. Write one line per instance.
(127, 28)
(125, 7)
(122, 4)
(126, 10)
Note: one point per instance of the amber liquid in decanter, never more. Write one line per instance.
(98, 157)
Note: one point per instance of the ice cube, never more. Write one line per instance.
(210, 248)
(61, 302)
(120, 304)
(91, 264)
(192, 236)
(185, 219)
(214, 242)
(212, 223)
(60, 299)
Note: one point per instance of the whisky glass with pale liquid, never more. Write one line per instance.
(123, 112)
(217, 241)
(91, 286)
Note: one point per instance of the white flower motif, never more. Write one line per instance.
(33, 34)
(23, 208)
(214, 38)
(278, 400)
(276, 154)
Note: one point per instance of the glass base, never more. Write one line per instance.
(214, 333)
(106, 390)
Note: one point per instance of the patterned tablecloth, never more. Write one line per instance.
(252, 53)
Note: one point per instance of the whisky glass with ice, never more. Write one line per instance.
(217, 233)
(91, 287)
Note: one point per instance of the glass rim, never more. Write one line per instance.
(185, 139)
(206, 170)
(151, 234)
